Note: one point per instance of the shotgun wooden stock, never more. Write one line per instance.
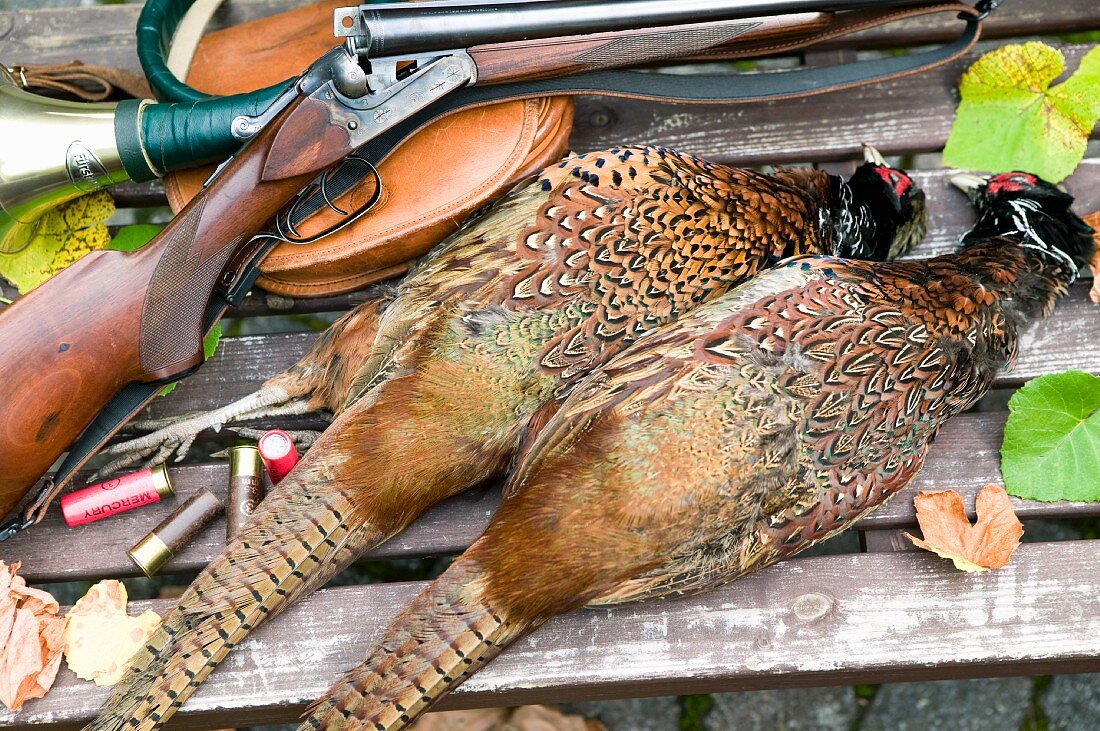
(114, 318)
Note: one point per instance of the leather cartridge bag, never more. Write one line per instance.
(430, 184)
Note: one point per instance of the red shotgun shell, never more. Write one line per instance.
(278, 453)
(116, 496)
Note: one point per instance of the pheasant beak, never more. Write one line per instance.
(873, 156)
(969, 183)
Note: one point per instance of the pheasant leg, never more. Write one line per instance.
(177, 436)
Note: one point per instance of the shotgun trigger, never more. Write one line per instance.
(324, 192)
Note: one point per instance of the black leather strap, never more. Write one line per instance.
(694, 89)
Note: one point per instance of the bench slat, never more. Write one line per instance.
(950, 215)
(907, 115)
(98, 550)
(820, 620)
(964, 458)
(1065, 340)
(105, 35)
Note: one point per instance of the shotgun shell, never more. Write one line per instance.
(175, 531)
(278, 453)
(115, 496)
(246, 487)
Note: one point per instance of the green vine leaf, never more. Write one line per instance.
(1011, 118)
(134, 236)
(209, 347)
(1051, 448)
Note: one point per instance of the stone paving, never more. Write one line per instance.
(1063, 703)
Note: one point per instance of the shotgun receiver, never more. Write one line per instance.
(88, 348)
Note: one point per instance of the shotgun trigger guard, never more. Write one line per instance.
(352, 171)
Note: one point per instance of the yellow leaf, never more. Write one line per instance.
(100, 637)
(65, 234)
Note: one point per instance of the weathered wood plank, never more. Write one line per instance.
(1011, 19)
(964, 458)
(105, 35)
(98, 550)
(950, 214)
(139, 195)
(904, 116)
(821, 620)
(889, 540)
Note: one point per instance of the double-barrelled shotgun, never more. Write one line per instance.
(86, 350)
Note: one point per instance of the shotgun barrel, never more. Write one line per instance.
(438, 25)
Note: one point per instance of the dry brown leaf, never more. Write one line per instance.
(1093, 219)
(100, 638)
(481, 719)
(546, 718)
(30, 639)
(524, 718)
(988, 544)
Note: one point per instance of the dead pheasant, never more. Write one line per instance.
(749, 429)
(480, 341)
(876, 216)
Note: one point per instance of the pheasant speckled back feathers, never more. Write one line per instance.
(487, 334)
(754, 426)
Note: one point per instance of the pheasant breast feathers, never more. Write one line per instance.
(767, 420)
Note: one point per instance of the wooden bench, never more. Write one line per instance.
(881, 614)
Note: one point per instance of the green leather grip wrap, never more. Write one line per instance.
(128, 140)
(194, 127)
(156, 26)
(185, 134)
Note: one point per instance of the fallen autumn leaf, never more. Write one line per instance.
(100, 637)
(987, 544)
(30, 639)
(524, 718)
